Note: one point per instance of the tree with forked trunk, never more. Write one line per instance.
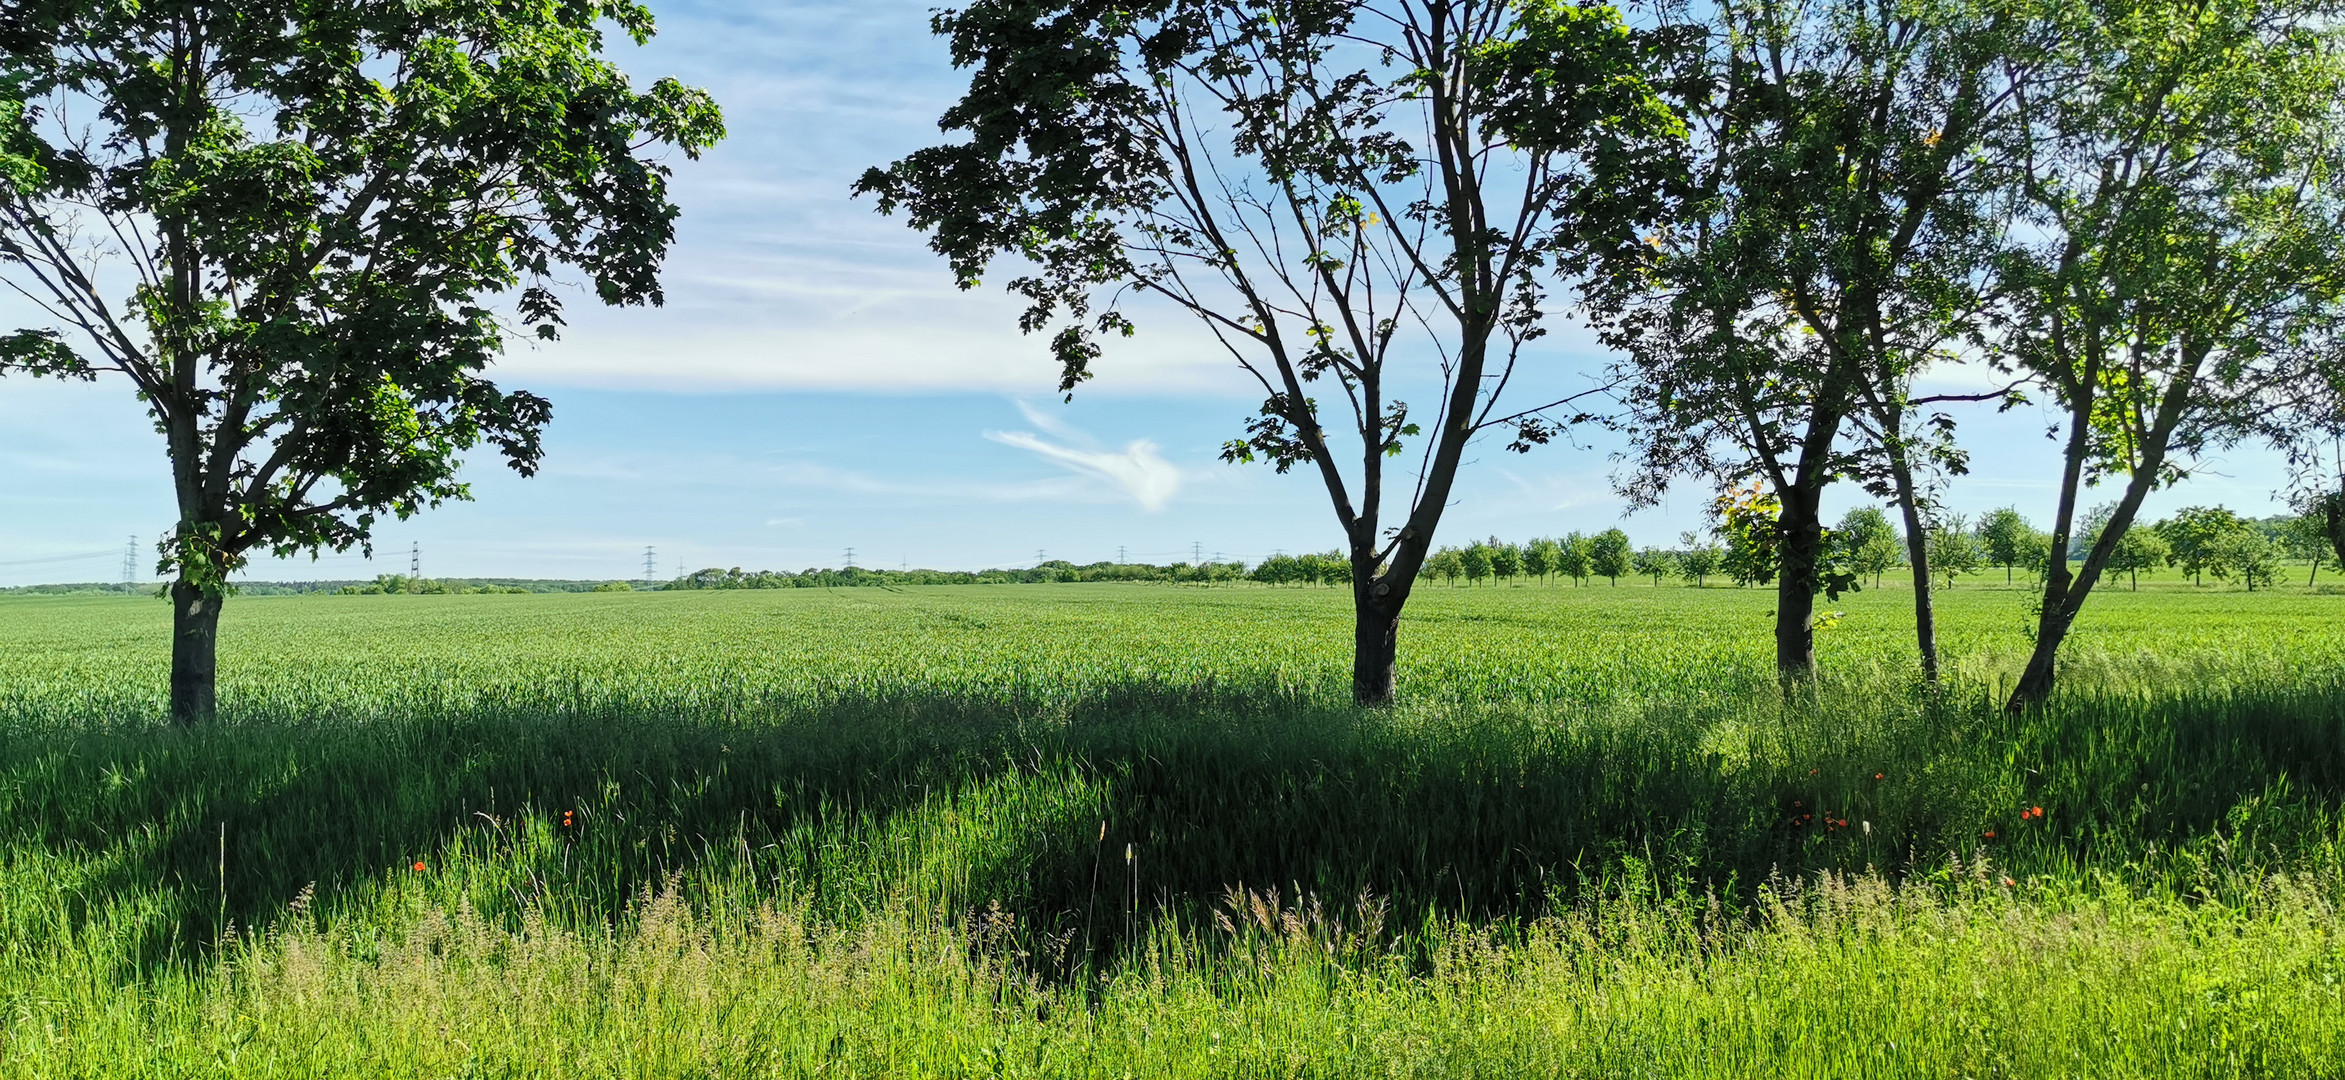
(2184, 271)
(1834, 244)
(310, 208)
(1357, 199)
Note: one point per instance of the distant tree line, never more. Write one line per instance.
(1055, 570)
(422, 586)
(2204, 542)
(1738, 549)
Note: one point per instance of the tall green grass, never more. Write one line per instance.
(1133, 831)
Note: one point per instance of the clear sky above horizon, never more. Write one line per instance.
(815, 383)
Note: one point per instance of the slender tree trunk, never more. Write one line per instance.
(2064, 594)
(2333, 513)
(1917, 554)
(2058, 609)
(1802, 538)
(195, 642)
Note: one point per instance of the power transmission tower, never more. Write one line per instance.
(1120, 560)
(1196, 553)
(130, 561)
(850, 558)
(415, 561)
(1037, 556)
(648, 564)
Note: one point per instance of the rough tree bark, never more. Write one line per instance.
(195, 645)
(1801, 536)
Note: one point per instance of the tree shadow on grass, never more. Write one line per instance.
(1085, 817)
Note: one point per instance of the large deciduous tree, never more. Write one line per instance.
(1833, 246)
(286, 223)
(2186, 238)
(1359, 199)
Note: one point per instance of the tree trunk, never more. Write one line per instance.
(2064, 593)
(1375, 644)
(2333, 511)
(195, 646)
(1802, 539)
(1917, 553)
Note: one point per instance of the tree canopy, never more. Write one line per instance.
(315, 209)
(1349, 197)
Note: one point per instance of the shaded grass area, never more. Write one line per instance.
(1479, 815)
(1226, 876)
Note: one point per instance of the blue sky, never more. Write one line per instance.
(815, 383)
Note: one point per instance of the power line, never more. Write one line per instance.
(83, 557)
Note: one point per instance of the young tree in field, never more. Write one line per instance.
(1334, 568)
(2249, 555)
(1609, 555)
(1656, 564)
(1352, 197)
(1868, 543)
(1952, 549)
(2184, 248)
(2138, 550)
(1834, 244)
(1698, 561)
(1539, 559)
(1446, 564)
(313, 210)
(1275, 570)
(1477, 561)
(2196, 537)
(2007, 540)
(1506, 560)
(1576, 558)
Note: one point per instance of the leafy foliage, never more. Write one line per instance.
(1329, 189)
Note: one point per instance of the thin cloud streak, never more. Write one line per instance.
(1142, 474)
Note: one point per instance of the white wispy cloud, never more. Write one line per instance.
(1138, 471)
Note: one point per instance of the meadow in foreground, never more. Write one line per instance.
(1100, 830)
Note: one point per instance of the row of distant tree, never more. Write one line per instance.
(2202, 541)
(1055, 570)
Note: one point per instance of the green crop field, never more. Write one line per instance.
(1096, 830)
